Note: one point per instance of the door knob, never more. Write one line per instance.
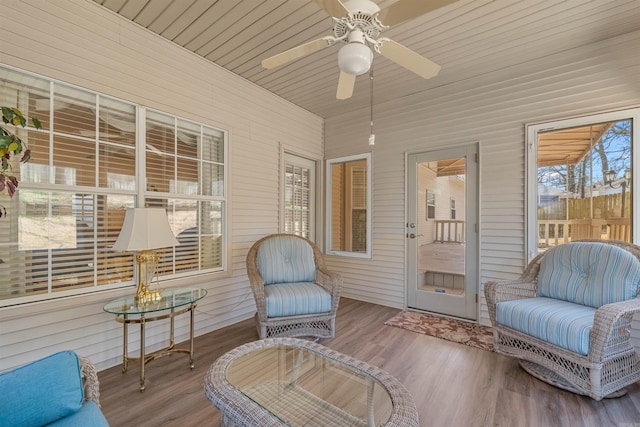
(413, 236)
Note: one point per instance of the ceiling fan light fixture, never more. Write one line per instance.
(355, 58)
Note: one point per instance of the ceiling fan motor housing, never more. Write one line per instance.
(362, 17)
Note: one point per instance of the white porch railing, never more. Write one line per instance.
(450, 231)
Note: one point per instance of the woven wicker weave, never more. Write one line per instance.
(612, 362)
(239, 410)
(89, 380)
(320, 325)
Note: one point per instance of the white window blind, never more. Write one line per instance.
(60, 226)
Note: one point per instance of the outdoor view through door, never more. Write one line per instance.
(584, 183)
(441, 236)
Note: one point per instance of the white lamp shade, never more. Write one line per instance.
(355, 58)
(145, 228)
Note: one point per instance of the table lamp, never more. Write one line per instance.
(143, 230)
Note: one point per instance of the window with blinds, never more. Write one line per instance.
(297, 200)
(84, 172)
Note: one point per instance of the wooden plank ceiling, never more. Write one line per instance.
(467, 38)
(569, 146)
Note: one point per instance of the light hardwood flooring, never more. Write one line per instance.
(452, 384)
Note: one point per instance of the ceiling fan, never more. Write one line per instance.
(358, 24)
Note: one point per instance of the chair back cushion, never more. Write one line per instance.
(41, 392)
(589, 273)
(286, 259)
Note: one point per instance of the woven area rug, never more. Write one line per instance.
(446, 328)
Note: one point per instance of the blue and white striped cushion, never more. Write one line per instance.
(290, 299)
(286, 259)
(589, 273)
(562, 323)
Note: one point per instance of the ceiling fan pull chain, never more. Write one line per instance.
(372, 136)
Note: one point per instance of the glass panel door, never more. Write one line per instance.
(441, 235)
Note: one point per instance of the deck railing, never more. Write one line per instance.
(450, 231)
(555, 232)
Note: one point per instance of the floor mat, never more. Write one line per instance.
(446, 328)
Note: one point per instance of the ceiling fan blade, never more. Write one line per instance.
(409, 59)
(345, 85)
(297, 52)
(333, 7)
(402, 10)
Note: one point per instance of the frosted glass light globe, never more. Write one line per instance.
(354, 58)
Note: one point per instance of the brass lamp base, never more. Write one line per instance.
(146, 261)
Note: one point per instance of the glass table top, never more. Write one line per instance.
(165, 299)
(298, 385)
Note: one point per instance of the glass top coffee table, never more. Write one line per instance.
(294, 382)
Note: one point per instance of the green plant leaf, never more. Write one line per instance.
(7, 114)
(15, 147)
(36, 123)
(5, 140)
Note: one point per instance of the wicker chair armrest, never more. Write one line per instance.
(611, 328)
(89, 380)
(496, 291)
(332, 283)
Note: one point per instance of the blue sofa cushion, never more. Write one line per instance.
(589, 273)
(88, 415)
(286, 259)
(41, 392)
(290, 299)
(562, 323)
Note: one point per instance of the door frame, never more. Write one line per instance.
(472, 210)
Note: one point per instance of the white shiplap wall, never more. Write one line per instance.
(493, 109)
(78, 42)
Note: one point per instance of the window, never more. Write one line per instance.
(85, 170)
(431, 205)
(298, 212)
(349, 206)
(580, 176)
(185, 175)
(453, 209)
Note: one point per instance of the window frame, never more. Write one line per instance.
(139, 196)
(328, 206)
(531, 165)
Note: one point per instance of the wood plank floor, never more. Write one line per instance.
(452, 384)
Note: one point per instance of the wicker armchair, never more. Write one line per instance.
(611, 361)
(90, 382)
(295, 294)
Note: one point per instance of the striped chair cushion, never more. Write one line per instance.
(562, 323)
(290, 299)
(589, 273)
(285, 259)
